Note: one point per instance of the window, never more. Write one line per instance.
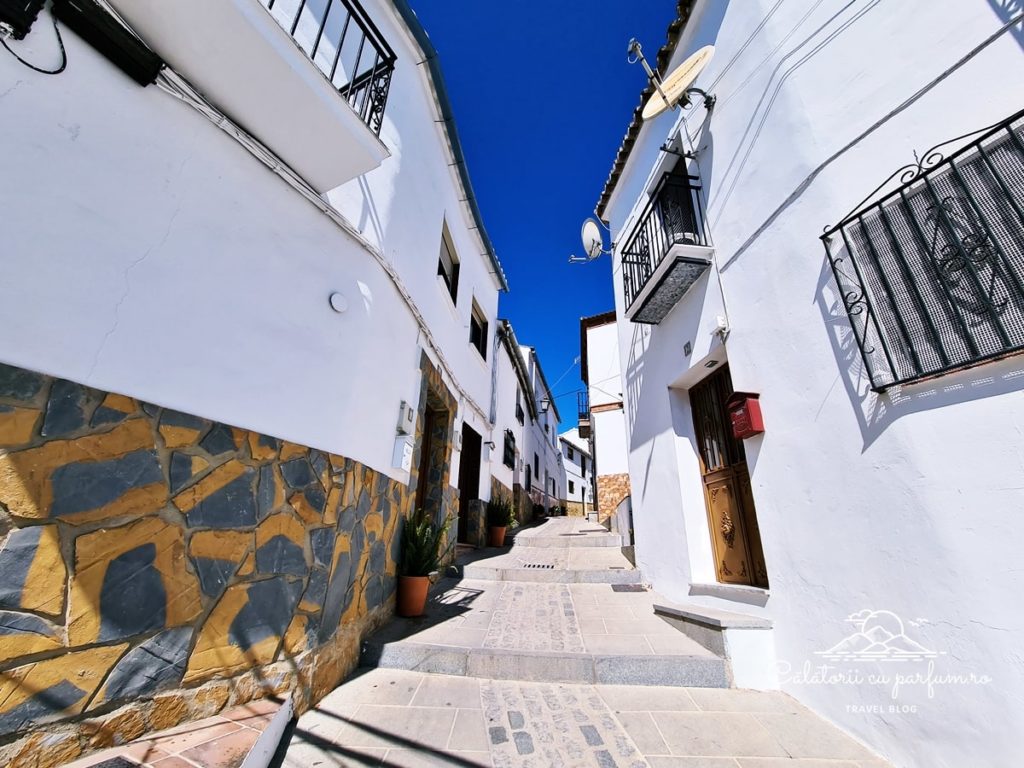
(583, 465)
(571, 455)
(572, 487)
(509, 454)
(478, 331)
(536, 465)
(529, 480)
(931, 273)
(448, 265)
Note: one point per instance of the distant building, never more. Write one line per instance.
(601, 419)
(579, 473)
(544, 474)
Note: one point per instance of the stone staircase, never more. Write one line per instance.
(562, 604)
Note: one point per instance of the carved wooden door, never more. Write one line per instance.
(735, 536)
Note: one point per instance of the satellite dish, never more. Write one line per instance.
(593, 243)
(673, 88)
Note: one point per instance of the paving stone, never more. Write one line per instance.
(710, 734)
(524, 742)
(469, 732)
(803, 734)
(446, 691)
(644, 732)
(628, 698)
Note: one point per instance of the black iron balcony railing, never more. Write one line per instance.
(673, 216)
(930, 268)
(344, 44)
(583, 413)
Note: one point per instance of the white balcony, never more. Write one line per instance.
(285, 73)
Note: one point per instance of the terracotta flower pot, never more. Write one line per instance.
(412, 595)
(496, 536)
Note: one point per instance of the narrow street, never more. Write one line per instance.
(550, 654)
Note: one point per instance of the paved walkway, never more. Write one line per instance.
(512, 670)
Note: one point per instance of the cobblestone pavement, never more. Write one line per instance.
(402, 719)
(535, 725)
(535, 617)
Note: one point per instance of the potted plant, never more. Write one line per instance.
(499, 518)
(421, 555)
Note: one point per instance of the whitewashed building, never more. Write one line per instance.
(579, 473)
(514, 409)
(543, 474)
(873, 523)
(601, 417)
(248, 308)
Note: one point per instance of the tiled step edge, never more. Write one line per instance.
(549, 667)
(263, 751)
(745, 641)
(553, 575)
(562, 542)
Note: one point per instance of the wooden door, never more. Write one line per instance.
(735, 536)
(469, 477)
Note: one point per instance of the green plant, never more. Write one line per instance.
(421, 544)
(499, 512)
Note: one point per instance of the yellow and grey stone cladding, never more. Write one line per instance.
(156, 567)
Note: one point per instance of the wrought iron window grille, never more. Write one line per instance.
(930, 265)
(345, 45)
(674, 215)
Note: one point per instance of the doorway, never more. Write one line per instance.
(469, 477)
(732, 519)
(429, 486)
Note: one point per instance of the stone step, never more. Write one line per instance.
(696, 671)
(553, 575)
(566, 565)
(564, 532)
(581, 633)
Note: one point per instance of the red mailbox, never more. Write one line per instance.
(745, 414)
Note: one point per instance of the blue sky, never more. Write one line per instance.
(542, 96)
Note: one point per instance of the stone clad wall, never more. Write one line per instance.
(157, 567)
(611, 490)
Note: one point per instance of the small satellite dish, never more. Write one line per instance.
(673, 88)
(593, 243)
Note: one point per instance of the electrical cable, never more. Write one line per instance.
(30, 65)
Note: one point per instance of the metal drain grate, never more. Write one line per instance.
(543, 566)
(628, 588)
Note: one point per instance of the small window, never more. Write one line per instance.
(478, 331)
(509, 454)
(583, 465)
(572, 455)
(572, 487)
(448, 265)
(536, 465)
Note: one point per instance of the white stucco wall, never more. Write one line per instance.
(505, 419)
(147, 253)
(605, 388)
(902, 502)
